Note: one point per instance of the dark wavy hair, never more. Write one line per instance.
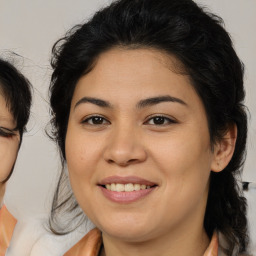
(198, 40)
(16, 90)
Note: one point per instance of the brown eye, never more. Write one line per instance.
(160, 120)
(95, 120)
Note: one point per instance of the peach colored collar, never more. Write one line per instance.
(7, 224)
(91, 243)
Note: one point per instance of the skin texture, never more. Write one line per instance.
(176, 155)
(8, 144)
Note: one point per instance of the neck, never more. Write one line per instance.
(2, 190)
(186, 243)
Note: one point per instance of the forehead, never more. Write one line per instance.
(138, 62)
(6, 117)
(127, 74)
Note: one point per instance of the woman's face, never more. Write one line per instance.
(9, 140)
(138, 127)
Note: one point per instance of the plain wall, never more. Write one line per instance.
(30, 27)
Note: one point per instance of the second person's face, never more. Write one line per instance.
(9, 141)
(137, 146)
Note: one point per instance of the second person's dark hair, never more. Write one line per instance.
(16, 89)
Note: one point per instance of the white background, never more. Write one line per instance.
(30, 27)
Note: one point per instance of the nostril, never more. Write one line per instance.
(123, 163)
(132, 160)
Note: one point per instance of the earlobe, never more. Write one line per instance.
(224, 149)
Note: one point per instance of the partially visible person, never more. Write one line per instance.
(15, 102)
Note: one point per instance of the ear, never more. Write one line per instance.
(224, 149)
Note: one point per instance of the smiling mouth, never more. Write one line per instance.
(129, 187)
(126, 189)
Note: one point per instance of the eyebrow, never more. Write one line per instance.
(141, 104)
(156, 100)
(95, 101)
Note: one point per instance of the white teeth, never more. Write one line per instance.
(136, 187)
(113, 187)
(143, 187)
(119, 187)
(129, 187)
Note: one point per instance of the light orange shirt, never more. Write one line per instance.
(7, 224)
(91, 243)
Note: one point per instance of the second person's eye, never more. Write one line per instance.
(95, 120)
(5, 132)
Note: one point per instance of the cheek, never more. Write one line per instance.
(8, 155)
(76, 155)
(185, 170)
(82, 160)
(82, 156)
(80, 153)
(182, 152)
(185, 162)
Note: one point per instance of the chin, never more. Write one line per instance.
(127, 230)
(131, 236)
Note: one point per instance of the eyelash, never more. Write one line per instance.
(88, 119)
(161, 118)
(166, 120)
(5, 132)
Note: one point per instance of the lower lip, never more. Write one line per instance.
(126, 197)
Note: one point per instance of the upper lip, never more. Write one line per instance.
(126, 180)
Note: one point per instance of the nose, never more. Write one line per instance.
(125, 147)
